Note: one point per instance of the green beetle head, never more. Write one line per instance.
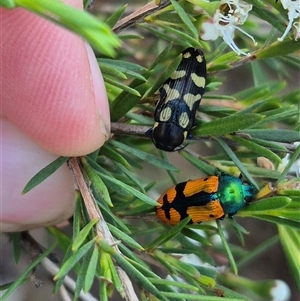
(234, 194)
(248, 191)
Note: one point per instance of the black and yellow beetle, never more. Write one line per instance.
(180, 97)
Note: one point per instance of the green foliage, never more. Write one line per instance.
(290, 242)
(43, 174)
(227, 125)
(260, 121)
(97, 33)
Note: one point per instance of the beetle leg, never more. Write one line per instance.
(189, 136)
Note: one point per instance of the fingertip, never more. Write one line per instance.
(49, 203)
(53, 89)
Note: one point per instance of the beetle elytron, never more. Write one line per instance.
(180, 97)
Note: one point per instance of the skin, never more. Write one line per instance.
(53, 103)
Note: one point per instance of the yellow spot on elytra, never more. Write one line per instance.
(199, 58)
(165, 114)
(178, 74)
(190, 99)
(186, 55)
(171, 93)
(184, 119)
(199, 81)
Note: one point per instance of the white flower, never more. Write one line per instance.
(280, 291)
(294, 12)
(295, 168)
(228, 17)
(297, 31)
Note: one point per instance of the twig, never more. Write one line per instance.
(129, 129)
(149, 218)
(119, 128)
(140, 14)
(68, 281)
(64, 294)
(109, 8)
(244, 60)
(35, 249)
(102, 230)
(37, 281)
